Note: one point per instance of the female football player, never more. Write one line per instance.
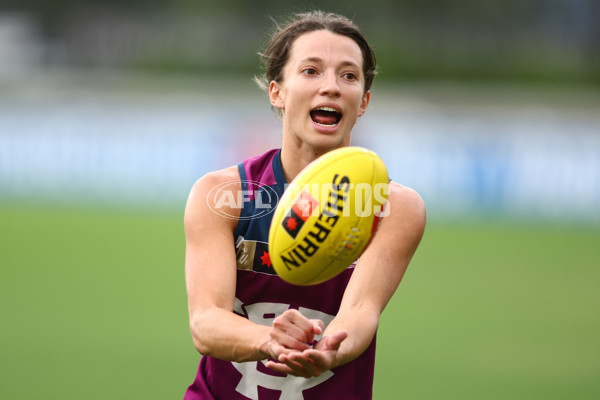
(260, 337)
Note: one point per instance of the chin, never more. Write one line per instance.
(322, 144)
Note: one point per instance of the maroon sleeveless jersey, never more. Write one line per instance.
(261, 296)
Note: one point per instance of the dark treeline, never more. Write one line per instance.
(522, 40)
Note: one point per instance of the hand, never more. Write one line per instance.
(292, 331)
(311, 362)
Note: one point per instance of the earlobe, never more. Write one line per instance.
(275, 95)
(364, 103)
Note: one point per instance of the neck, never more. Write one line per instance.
(296, 156)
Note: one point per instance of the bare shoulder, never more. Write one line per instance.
(406, 205)
(212, 198)
(213, 179)
(404, 221)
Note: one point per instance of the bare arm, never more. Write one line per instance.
(375, 279)
(210, 271)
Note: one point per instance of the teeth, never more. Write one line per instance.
(330, 109)
(327, 109)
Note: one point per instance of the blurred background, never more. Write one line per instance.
(110, 110)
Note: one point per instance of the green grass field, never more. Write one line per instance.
(94, 307)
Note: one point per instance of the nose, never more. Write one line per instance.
(330, 86)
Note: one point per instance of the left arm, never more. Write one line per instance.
(374, 280)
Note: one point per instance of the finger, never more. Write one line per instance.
(290, 338)
(281, 343)
(290, 359)
(332, 341)
(296, 325)
(279, 367)
(276, 350)
(287, 365)
(320, 359)
(318, 326)
(284, 369)
(336, 338)
(295, 318)
(305, 363)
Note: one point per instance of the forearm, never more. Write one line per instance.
(222, 334)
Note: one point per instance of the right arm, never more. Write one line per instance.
(210, 273)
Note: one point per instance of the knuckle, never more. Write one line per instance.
(291, 313)
(279, 324)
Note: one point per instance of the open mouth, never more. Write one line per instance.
(326, 116)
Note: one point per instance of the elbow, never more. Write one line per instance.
(201, 347)
(198, 337)
(219, 333)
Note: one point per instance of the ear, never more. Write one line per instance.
(364, 103)
(275, 95)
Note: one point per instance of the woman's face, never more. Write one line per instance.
(322, 93)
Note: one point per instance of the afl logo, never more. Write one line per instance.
(228, 199)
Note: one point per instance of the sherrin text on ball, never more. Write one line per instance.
(328, 215)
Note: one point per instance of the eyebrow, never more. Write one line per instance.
(320, 60)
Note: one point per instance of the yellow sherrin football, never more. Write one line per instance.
(327, 215)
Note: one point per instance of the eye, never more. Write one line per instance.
(309, 71)
(351, 76)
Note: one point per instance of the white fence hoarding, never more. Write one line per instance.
(522, 161)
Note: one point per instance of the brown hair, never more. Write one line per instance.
(277, 52)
